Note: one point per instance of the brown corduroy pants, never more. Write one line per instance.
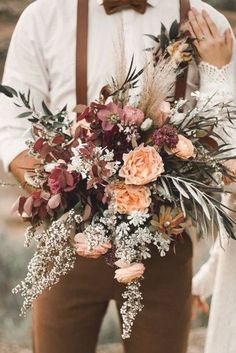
(67, 318)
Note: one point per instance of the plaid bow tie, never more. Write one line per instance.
(112, 6)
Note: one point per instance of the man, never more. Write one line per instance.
(42, 57)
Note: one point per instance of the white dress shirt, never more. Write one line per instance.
(42, 55)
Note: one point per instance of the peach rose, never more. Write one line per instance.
(129, 198)
(184, 148)
(164, 113)
(230, 165)
(132, 116)
(129, 273)
(141, 166)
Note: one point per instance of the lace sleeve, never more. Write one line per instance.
(217, 83)
(203, 282)
(217, 87)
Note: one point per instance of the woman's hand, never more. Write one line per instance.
(213, 48)
(82, 248)
(199, 305)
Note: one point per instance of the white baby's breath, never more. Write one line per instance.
(138, 218)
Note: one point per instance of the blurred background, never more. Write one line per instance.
(15, 332)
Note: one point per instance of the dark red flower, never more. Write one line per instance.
(61, 180)
(166, 136)
(117, 141)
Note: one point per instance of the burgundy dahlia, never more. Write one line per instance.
(117, 141)
(166, 136)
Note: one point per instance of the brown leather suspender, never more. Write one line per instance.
(181, 82)
(82, 48)
(81, 52)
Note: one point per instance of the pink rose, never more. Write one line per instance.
(141, 166)
(164, 113)
(129, 198)
(110, 116)
(184, 148)
(61, 180)
(129, 273)
(132, 116)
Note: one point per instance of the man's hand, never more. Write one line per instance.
(82, 249)
(20, 165)
(199, 304)
(213, 48)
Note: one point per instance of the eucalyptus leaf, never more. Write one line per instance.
(174, 30)
(5, 90)
(46, 110)
(156, 39)
(25, 115)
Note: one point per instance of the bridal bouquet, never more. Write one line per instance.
(130, 175)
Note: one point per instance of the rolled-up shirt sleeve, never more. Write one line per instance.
(25, 69)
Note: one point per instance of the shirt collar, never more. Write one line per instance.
(153, 3)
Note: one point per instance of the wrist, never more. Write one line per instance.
(18, 167)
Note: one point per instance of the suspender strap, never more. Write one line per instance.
(81, 52)
(181, 82)
(184, 10)
(82, 48)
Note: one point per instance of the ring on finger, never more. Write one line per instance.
(203, 37)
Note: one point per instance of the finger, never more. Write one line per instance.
(79, 238)
(202, 23)
(106, 245)
(194, 315)
(195, 41)
(92, 254)
(229, 39)
(101, 250)
(194, 311)
(194, 24)
(81, 247)
(83, 251)
(211, 25)
(204, 307)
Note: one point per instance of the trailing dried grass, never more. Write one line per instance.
(158, 83)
